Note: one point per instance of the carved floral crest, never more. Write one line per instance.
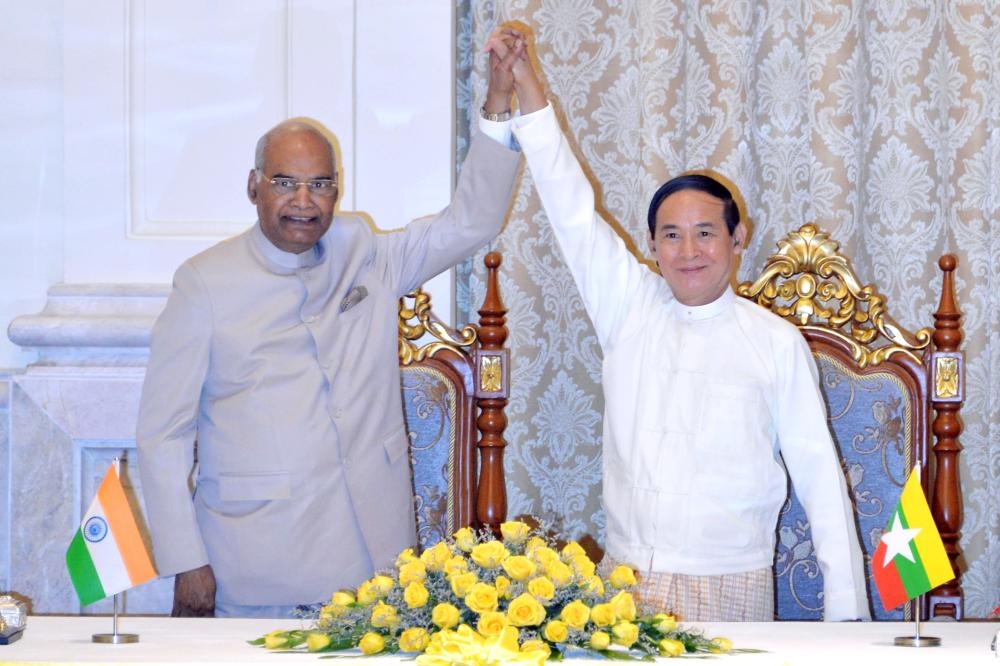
(812, 285)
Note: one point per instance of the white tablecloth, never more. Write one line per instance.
(218, 642)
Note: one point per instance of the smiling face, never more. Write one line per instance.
(296, 221)
(693, 247)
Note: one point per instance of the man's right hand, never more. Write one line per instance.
(194, 593)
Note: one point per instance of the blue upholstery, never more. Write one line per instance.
(871, 419)
(430, 406)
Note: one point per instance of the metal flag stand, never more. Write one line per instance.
(916, 640)
(115, 637)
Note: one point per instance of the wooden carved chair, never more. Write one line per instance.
(893, 397)
(455, 385)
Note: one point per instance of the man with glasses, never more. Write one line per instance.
(277, 354)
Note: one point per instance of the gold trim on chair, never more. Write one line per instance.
(417, 320)
(826, 292)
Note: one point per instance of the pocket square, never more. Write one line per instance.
(354, 296)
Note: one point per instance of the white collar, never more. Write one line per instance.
(285, 262)
(700, 312)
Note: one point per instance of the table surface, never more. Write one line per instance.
(216, 642)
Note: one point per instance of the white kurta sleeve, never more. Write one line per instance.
(607, 274)
(818, 479)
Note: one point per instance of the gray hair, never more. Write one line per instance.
(281, 128)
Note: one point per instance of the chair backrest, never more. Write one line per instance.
(883, 385)
(455, 385)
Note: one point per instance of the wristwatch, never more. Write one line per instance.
(494, 117)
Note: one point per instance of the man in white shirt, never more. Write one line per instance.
(708, 397)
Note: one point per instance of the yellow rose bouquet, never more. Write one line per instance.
(478, 600)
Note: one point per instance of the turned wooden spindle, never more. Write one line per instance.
(491, 499)
(946, 498)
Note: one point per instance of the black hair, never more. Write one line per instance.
(702, 183)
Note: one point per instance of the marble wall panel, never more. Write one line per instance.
(67, 424)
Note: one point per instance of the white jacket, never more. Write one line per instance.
(705, 407)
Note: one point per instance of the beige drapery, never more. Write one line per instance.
(878, 120)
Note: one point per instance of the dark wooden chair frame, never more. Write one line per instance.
(475, 360)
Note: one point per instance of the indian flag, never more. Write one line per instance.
(107, 554)
(910, 559)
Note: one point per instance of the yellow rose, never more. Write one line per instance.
(665, 623)
(371, 643)
(514, 532)
(543, 555)
(489, 555)
(624, 606)
(600, 640)
(556, 631)
(435, 557)
(519, 567)
(572, 550)
(412, 571)
(603, 615)
(491, 623)
(721, 645)
(462, 583)
(414, 639)
(625, 633)
(669, 647)
(384, 616)
(583, 566)
(276, 639)
(367, 593)
(327, 614)
(542, 588)
(593, 586)
(525, 611)
(503, 587)
(575, 614)
(342, 598)
(445, 616)
(622, 577)
(316, 641)
(481, 598)
(383, 583)
(535, 646)
(415, 595)
(455, 565)
(534, 543)
(465, 539)
(404, 557)
(559, 573)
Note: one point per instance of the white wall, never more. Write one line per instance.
(31, 187)
(127, 127)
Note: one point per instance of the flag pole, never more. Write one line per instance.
(114, 636)
(916, 640)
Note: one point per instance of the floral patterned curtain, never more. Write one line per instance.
(880, 121)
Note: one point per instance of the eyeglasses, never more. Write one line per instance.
(323, 187)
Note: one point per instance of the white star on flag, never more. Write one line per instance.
(897, 541)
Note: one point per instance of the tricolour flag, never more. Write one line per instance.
(107, 554)
(910, 559)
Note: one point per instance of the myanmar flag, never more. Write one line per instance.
(107, 555)
(910, 559)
